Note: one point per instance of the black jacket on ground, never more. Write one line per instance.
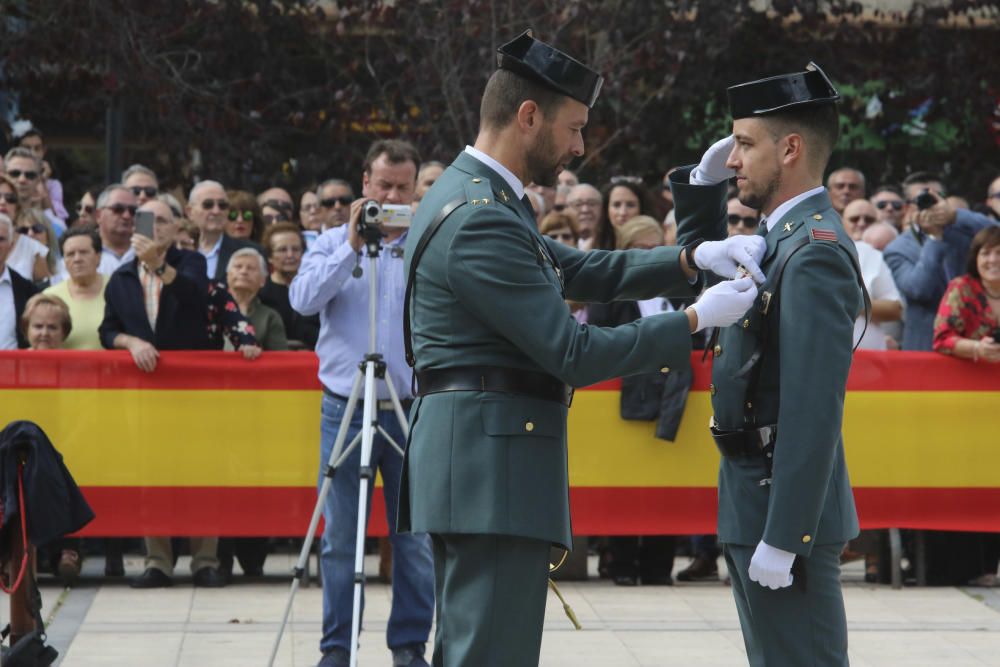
(53, 502)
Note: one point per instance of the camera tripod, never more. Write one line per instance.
(371, 369)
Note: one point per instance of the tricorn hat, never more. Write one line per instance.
(550, 67)
(777, 93)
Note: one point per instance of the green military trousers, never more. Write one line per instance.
(491, 592)
(792, 627)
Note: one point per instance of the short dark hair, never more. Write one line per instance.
(819, 123)
(885, 187)
(395, 151)
(90, 231)
(281, 228)
(505, 93)
(984, 240)
(921, 177)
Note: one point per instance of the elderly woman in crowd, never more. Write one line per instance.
(27, 256)
(968, 319)
(624, 198)
(46, 323)
(244, 221)
(245, 276)
(284, 245)
(968, 327)
(83, 288)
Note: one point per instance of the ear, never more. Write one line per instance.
(529, 116)
(792, 149)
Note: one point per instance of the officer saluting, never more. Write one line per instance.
(785, 502)
(496, 351)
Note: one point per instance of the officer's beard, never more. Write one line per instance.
(543, 163)
(761, 199)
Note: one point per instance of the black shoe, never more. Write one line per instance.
(152, 578)
(626, 580)
(700, 569)
(409, 656)
(209, 577)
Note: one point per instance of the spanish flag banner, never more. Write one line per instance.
(211, 444)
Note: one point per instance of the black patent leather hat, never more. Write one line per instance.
(536, 60)
(777, 93)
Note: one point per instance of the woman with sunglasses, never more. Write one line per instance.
(244, 220)
(34, 224)
(86, 208)
(27, 256)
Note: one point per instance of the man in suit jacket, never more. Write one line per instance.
(495, 348)
(15, 290)
(208, 207)
(780, 374)
(931, 251)
(158, 301)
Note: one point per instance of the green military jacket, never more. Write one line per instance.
(805, 362)
(488, 292)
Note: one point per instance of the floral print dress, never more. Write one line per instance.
(964, 312)
(225, 319)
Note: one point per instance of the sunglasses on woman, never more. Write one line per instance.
(9, 197)
(36, 228)
(234, 215)
(85, 208)
(17, 173)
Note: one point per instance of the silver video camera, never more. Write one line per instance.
(392, 216)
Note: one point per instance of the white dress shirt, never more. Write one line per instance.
(8, 315)
(513, 181)
(780, 212)
(878, 281)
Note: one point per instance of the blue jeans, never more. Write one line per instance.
(412, 560)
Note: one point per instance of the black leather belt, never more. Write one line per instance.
(384, 404)
(494, 378)
(743, 444)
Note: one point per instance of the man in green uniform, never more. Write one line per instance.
(780, 373)
(495, 350)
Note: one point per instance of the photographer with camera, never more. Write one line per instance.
(334, 282)
(930, 252)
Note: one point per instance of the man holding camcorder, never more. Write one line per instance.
(931, 251)
(333, 282)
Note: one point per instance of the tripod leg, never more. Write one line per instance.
(333, 462)
(368, 426)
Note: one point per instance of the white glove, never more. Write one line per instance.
(725, 257)
(712, 169)
(725, 303)
(771, 567)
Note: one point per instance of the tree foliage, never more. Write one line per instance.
(253, 92)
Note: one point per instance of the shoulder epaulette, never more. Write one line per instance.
(478, 191)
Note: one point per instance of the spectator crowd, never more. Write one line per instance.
(132, 266)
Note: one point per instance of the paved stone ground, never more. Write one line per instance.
(104, 622)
